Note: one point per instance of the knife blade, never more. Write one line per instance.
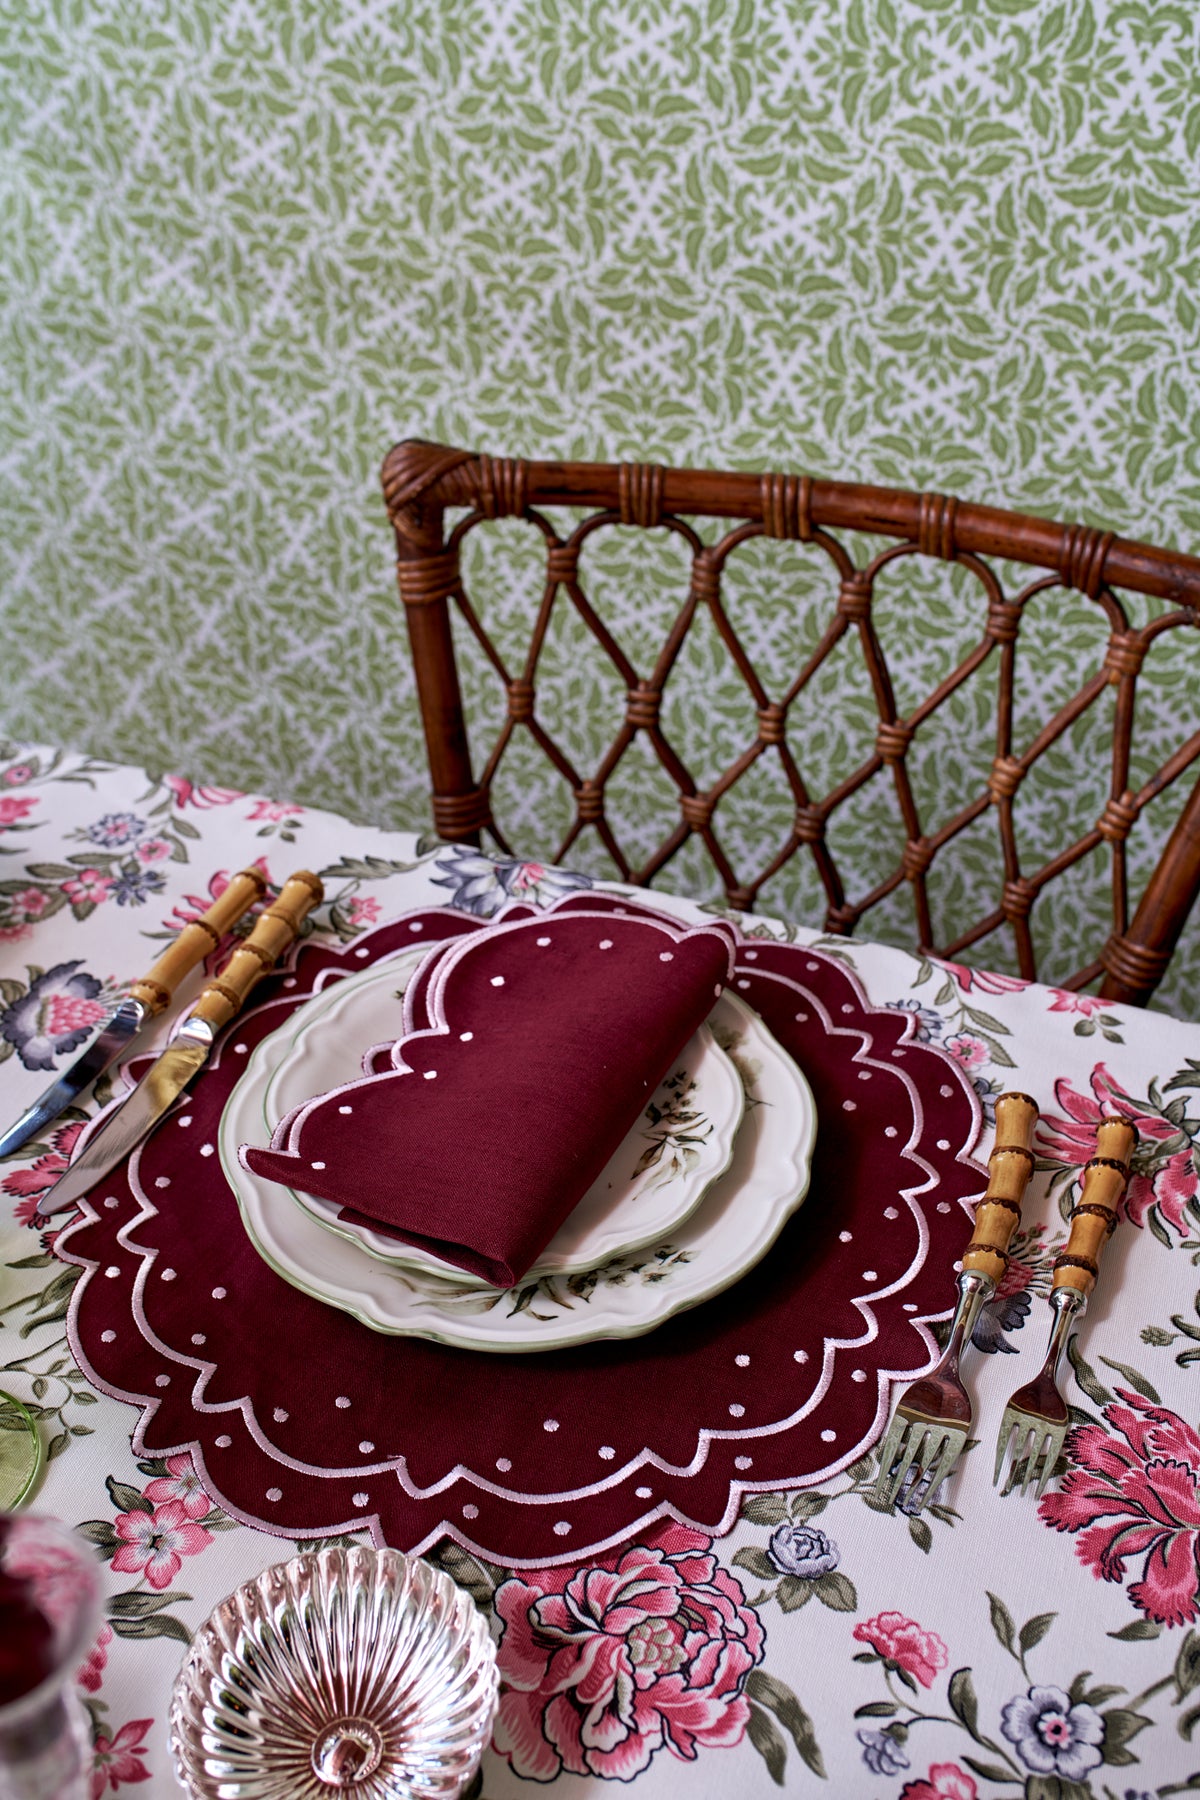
(144, 1001)
(128, 1122)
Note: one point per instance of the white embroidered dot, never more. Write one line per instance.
(497, 981)
(828, 1437)
(112, 1201)
(846, 1007)
(108, 1337)
(549, 1424)
(223, 1442)
(943, 1206)
(957, 1266)
(361, 1499)
(751, 955)
(431, 1074)
(736, 1410)
(945, 1091)
(112, 1271)
(606, 943)
(199, 1339)
(899, 1054)
(869, 1275)
(185, 1121)
(743, 983)
(415, 925)
(743, 1462)
(846, 1237)
(718, 990)
(240, 1049)
(908, 1307)
(812, 967)
(218, 1293)
(849, 1105)
(162, 1381)
(606, 1453)
(864, 1074)
(891, 1212)
(943, 1143)
(802, 1018)
(318, 1165)
(858, 1374)
(889, 1131)
(361, 953)
(470, 1511)
(366, 1447)
(168, 1274)
(345, 1109)
(207, 1149)
(280, 1416)
(800, 1356)
(465, 1037)
(504, 1464)
(666, 956)
(343, 1400)
(643, 1493)
(542, 942)
(743, 1362)
(162, 1181)
(561, 1528)
(274, 1493)
(290, 981)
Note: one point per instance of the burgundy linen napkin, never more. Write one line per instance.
(537, 1047)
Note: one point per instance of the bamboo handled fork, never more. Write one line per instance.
(1037, 1413)
(933, 1415)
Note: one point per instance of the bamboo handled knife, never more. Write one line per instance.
(144, 1001)
(128, 1123)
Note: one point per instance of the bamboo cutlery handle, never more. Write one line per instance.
(196, 940)
(1094, 1216)
(273, 931)
(1009, 1167)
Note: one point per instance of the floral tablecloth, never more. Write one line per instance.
(988, 1647)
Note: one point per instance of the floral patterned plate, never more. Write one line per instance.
(734, 1225)
(650, 1185)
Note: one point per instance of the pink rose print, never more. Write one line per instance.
(30, 901)
(1164, 1172)
(1134, 1498)
(90, 1672)
(364, 910)
(604, 1665)
(30, 1184)
(152, 850)
(14, 807)
(89, 884)
(119, 1759)
(971, 1052)
(200, 797)
(903, 1642)
(982, 979)
(183, 1485)
(272, 811)
(158, 1542)
(946, 1781)
(18, 775)
(1065, 1001)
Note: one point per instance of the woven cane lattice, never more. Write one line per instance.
(421, 481)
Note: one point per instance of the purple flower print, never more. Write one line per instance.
(482, 884)
(1052, 1736)
(802, 1550)
(115, 830)
(135, 886)
(57, 1015)
(881, 1753)
(928, 1025)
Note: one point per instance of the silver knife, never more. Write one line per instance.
(128, 1122)
(144, 1001)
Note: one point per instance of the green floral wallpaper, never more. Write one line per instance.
(249, 243)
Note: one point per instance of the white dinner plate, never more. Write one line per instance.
(654, 1180)
(735, 1224)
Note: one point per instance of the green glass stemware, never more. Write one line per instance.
(21, 1452)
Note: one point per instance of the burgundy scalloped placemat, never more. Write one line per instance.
(304, 1422)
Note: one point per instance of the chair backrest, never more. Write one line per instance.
(1039, 558)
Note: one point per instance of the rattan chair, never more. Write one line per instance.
(422, 481)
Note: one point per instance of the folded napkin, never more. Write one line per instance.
(534, 1048)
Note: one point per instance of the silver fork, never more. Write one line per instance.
(1037, 1413)
(933, 1415)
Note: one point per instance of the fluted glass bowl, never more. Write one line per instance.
(359, 1671)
